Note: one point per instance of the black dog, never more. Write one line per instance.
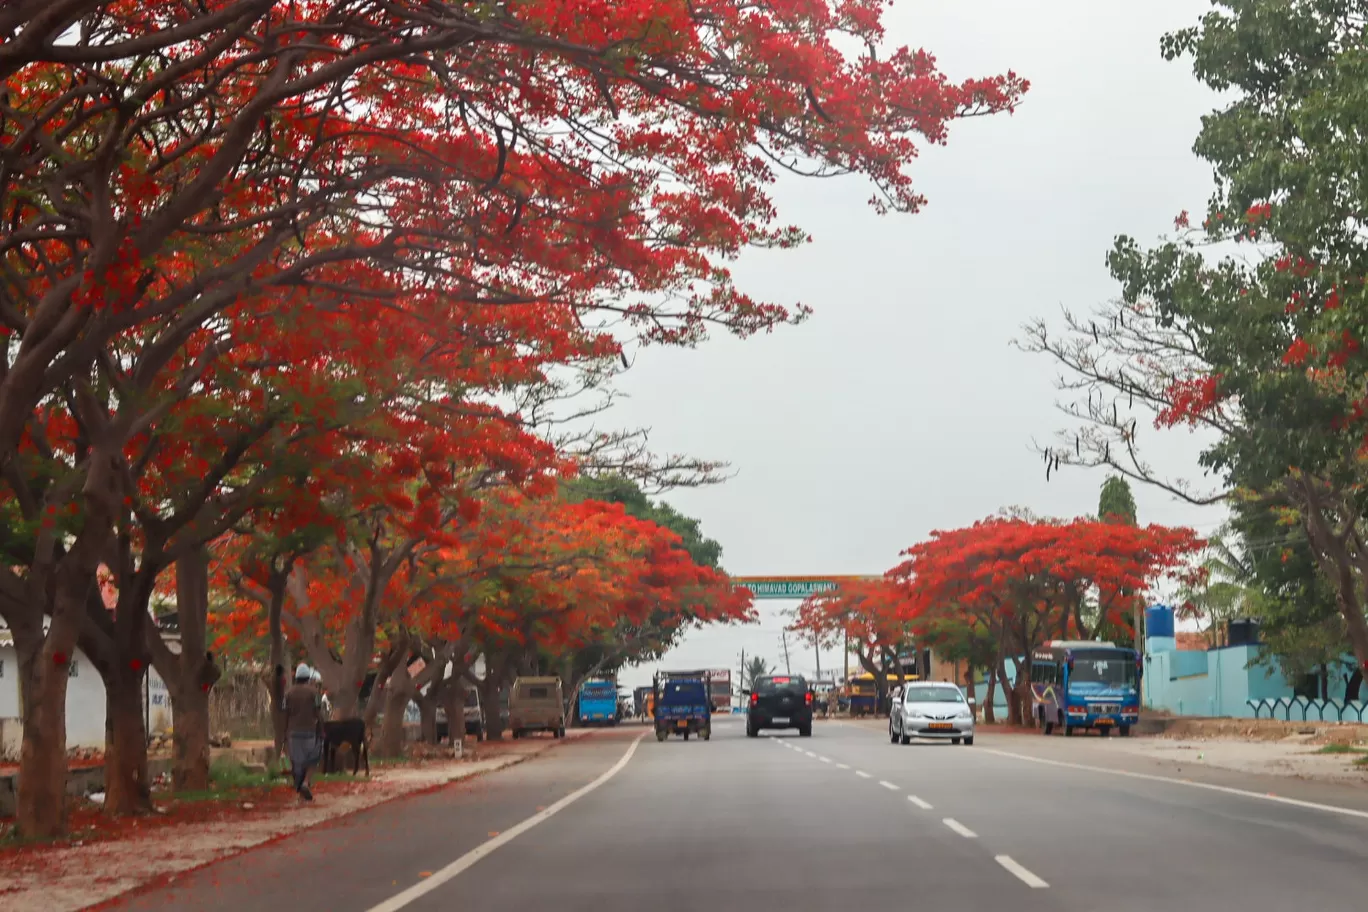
(351, 732)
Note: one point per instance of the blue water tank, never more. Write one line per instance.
(1159, 621)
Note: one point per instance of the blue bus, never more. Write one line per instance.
(598, 703)
(1085, 684)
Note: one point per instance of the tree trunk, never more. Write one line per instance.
(397, 695)
(41, 808)
(196, 676)
(398, 651)
(1013, 708)
(429, 702)
(989, 714)
(454, 697)
(427, 713)
(190, 739)
(276, 633)
(128, 788)
(490, 689)
(1333, 557)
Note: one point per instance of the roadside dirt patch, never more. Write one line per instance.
(1298, 757)
(106, 857)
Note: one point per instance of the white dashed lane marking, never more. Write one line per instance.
(862, 774)
(888, 785)
(1020, 873)
(918, 802)
(960, 828)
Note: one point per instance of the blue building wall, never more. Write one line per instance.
(1224, 681)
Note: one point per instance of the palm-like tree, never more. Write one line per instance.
(756, 667)
(1231, 590)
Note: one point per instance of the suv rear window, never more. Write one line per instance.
(536, 692)
(794, 684)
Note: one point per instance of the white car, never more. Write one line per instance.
(930, 709)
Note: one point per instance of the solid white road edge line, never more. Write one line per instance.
(918, 802)
(427, 885)
(862, 774)
(888, 785)
(1021, 874)
(1244, 793)
(960, 828)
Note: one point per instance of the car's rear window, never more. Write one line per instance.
(684, 689)
(780, 684)
(923, 694)
(536, 692)
(472, 698)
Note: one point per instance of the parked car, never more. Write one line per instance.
(931, 709)
(780, 701)
(536, 704)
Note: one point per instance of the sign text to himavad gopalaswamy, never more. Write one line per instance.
(791, 587)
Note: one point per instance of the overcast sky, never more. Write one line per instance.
(900, 407)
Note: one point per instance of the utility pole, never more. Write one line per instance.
(818, 644)
(788, 669)
(845, 651)
(742, 677)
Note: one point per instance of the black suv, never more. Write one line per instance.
(780, 701)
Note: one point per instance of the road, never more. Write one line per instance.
(838, 821)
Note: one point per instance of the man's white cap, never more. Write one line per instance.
(303, 672)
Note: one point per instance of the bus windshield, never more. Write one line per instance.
(1101, 671)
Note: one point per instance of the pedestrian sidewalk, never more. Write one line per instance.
(67, 877)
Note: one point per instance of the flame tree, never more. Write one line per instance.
(1029, 581)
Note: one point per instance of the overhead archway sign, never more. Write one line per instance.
(791, 587)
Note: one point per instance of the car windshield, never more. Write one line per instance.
(780, 684)
(916, 694)
(1096, 672)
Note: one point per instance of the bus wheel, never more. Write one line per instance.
(1125, 731)
(661, 735)
(1103, 731)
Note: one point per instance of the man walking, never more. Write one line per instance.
(303, 711)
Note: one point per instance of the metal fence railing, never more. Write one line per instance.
(1304, 709)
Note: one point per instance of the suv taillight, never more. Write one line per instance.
(755, 698)
(809, 698)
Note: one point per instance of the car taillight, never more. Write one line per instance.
(809, 698)
(1078, 710)
(755, 698)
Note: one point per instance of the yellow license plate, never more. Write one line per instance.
(1104, 722)
(681, 724)
(941, 726)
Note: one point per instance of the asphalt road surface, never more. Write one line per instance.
(842, 820)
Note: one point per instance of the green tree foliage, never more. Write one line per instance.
(1250, 323)
(756, 667)
(1116, 501)
(617, 489)
(635, 643)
